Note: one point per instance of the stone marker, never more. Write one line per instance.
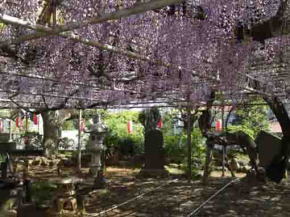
(268, 147)
(154, 155)
(27, 189)
(4, 168)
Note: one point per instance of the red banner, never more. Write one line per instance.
(19, 122)
(218, 125)
(130, 127)
(35, 119)
(82, 125)
(160, 124)
(1, 126)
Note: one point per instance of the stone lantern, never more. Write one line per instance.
(96, 147)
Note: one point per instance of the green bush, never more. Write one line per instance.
(252, 119)
(2, 26)
(69, 125)
(2, 158)
(42, 193)
(244, 128)
(176, 148)
(118, 138)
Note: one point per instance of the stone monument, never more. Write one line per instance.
(271, 156)
(153, 145)
(269, 146)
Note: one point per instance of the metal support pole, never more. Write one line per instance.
(38, 124)
(79, 142)
(224, 160)
(223, 147)
(189, 146)
(10, 130)
(26, 122)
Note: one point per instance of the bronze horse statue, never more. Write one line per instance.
(246, 143)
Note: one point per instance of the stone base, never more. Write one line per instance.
(94, 170)
(256, 177)
(152, 173)
(9, 213)
(99, 183)
(66, 204)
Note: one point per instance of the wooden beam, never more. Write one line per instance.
(47, 31)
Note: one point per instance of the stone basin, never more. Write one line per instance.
(66, 194)
(65, 181)
(66, 186)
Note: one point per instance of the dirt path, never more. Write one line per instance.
(245, 199)
(179, 198)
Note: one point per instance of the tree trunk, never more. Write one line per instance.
(277, 169)
(205, 119)
(207, 170)
(282, 116)
(204, 123)
(52, 126)
(189, 145)
(79, 163)
(51, 131)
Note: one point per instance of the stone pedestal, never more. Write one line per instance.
(96, 154)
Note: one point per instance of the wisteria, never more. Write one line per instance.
(181, 51)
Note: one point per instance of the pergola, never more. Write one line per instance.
(52, 92)
(129, 89)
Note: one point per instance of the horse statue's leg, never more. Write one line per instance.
(229, 167)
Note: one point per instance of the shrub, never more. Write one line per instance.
(42, 193)
(176, 148)
(118, 139)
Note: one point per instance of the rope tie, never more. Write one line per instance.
(211, 197)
